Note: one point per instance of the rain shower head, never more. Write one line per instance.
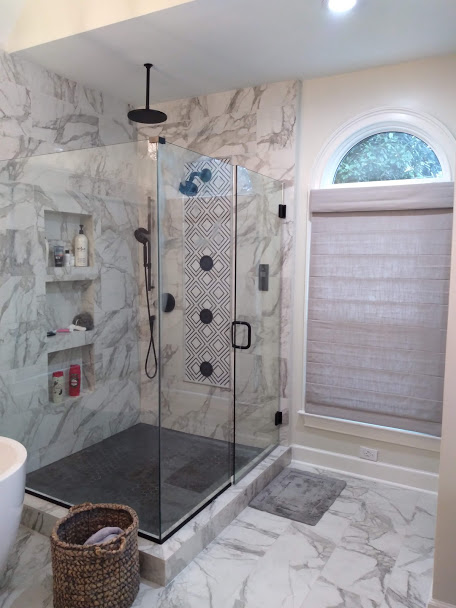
(147, 115)
(189, 188)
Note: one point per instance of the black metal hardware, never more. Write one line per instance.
(206, 316)
(249, 334)
(161, 140)
(206, 263)
(263, 277)
(278, 418)
(282, 211)
(168, 302)
(206, 369)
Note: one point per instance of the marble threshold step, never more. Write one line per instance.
(161, 563)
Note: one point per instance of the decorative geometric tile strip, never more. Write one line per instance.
(207, 234)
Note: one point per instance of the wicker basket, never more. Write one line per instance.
(105, 576)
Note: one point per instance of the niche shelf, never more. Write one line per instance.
(60, 228)
(72, 273)
(62, 360)
(66, 341)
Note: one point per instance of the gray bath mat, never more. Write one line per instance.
(299, 496)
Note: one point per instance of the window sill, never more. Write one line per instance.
(370, 431)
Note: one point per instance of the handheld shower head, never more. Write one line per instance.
(142, 236)
(189, 188)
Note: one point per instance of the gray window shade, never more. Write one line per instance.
(378, 303)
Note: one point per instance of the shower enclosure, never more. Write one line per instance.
(207, 260)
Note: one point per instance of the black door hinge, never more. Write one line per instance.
(278, 418)
(282, 211)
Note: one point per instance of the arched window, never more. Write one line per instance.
(386, 145)
(391, 155)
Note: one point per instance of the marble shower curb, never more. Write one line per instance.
(161, 563)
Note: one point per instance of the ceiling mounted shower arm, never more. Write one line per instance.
(148, 66)
(147, 115)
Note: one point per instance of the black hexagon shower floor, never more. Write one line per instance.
(124, 469)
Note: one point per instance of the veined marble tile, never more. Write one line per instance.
(408, 590)
(284, 576)
(360, 569)
(235, 550)
(325, 595)
(15, 111)
(31, 555)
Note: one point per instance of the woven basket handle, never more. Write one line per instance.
(81, 507)
(100, 551)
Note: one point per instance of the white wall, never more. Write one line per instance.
(445, 542)
(427, 86)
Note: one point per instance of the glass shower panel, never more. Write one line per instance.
(256, 332)
(194, 219)
(91, 446)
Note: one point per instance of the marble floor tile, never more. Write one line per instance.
(372, 549)
(408, 590)
(28, 561)
(360, 569)
(284, 575)
(325, 595)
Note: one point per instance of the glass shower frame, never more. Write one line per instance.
(239, 190)
(121, 178)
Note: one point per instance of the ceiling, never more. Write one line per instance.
(206, 46)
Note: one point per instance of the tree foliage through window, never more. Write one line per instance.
(387, 156)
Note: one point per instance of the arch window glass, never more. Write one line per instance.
(392, 155)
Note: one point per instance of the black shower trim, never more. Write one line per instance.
(206, 316)
(206, 263)
(206, 369)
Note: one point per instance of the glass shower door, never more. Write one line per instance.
(256, 326)
(194, 310)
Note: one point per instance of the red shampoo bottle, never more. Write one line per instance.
(75, 380)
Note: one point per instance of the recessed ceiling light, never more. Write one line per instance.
(340, 6)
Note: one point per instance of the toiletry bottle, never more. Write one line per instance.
(58, 385)
(71, 259)
(67, 258)
(58, 255)
(75, 380)
(81, 248)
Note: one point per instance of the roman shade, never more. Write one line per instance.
(378, 304)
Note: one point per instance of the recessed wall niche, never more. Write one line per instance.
(62, 360)
(60, 229)
(66, 299)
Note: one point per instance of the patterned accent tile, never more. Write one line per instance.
(207, 232)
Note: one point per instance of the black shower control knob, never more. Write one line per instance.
(206, 316)
(206, 368)
(206, 262)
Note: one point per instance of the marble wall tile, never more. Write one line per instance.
(40, 113)
(15, 111)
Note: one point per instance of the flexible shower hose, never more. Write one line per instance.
(151, 341)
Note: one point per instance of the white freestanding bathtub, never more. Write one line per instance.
(13, 456)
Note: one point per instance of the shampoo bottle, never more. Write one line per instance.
(81, 248)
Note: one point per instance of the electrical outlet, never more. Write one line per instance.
(368, 453)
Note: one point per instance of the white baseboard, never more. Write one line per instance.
(438, 604)
(381, 471)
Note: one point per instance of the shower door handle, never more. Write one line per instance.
(233, 332)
